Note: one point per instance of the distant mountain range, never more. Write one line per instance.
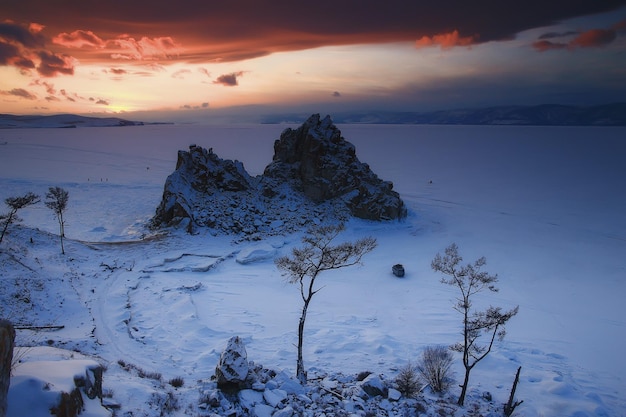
(11, 121)
(542, 115)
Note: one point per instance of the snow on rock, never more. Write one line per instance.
(316, 159)
(393, 394)
(232, 368)
(374, 386)
(55, 379)
(256, 253)
(315, 175)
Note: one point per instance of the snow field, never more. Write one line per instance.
(542, 204)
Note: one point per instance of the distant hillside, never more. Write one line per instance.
(10, 121)
(543, 115)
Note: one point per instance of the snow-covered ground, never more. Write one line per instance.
(545, 205)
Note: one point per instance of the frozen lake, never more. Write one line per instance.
(545, 205)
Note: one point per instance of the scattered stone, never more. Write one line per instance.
(262, 410)
(374, 386)
(274, 397)
(249, 398)
(393, 394)
(285, 412)
(398, 270)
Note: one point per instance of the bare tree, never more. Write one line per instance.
(470, 280)
(15, 204)
(316, 256)
(56, 200)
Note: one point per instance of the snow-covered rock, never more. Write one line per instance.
(274, 397)
(393, 394)
(232, 368)
(54, 379)
(248, 398)
(374, 386)
(256, 253)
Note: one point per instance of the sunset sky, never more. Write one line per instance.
(195, 57)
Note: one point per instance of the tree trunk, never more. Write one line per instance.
(512, 404)
(7, 341)
(461, 400)
(300, 372)
(7, 222)
(61, 231)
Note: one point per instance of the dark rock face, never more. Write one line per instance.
(317, 160)
(7, 342)
(315, 175)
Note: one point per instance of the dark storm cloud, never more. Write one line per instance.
(205, 31)
(29, 37)
(20, 92)
(51, 64)
(229, 80)
(553, 35)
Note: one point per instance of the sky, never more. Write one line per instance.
(201, 57)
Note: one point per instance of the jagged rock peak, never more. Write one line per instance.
(317, 160)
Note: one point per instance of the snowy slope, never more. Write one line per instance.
(544, 205)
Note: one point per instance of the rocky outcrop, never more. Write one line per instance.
(7, 341)
(317, 160)
(314, 176)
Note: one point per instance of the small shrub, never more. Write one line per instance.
(177, 382)
(407, 381)
(165, 403)
(434, 367)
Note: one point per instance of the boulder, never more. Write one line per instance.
(232, 369)
(398, 270)
(260, 252)
(374, 386)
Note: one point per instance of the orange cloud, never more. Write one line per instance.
(79, 39)
(594, 38)
(589, 39)
(129, 48)
(544, 45)
(446, 40)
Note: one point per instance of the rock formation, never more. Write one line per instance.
(314, 176)
(7, 341)
(232, 368)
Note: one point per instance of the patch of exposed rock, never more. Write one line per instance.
(315, 176)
